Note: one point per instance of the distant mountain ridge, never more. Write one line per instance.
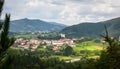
(34, 25)
(93, 29)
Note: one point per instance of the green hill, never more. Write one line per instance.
(34, 25)
(93, 29)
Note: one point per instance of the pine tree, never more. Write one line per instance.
(1, 5)
(110, 57)
(5, 41)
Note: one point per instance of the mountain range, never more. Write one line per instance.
(93, 29)
(34, 25)
(89, 29)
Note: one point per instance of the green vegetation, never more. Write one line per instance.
(88, 49)
(41, 49)
(26, 35)
(92, 52)
(110, 58)
(5, 41)
(50, 36)
(34, 25)
(43, 36)
(88, 45)
(93, 29)
(68, 51)
(63, 57)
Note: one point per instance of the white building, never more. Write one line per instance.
(62, 35)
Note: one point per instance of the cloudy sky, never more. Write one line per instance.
(68, 12)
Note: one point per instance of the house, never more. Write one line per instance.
(62, 35)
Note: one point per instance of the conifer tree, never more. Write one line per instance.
(5, 40)
(1, 5)
(110, 57)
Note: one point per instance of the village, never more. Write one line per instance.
(34, 43)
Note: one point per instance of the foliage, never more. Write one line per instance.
(5, 41)
(50, 36)
(68, 51)
(110, 58)
(107, 60)
(40, 59)
(26, 35)
(93, 29)
(33, 25)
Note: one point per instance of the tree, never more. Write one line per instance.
(5, 40)
(68, 51)
(1, 5)
(110, 57)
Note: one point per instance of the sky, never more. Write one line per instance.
(68, 12)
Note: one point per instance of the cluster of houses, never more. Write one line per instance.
(34, 43)
(27, 44)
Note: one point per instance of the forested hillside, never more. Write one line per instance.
(93, 29)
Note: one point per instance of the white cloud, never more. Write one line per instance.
(103, 8)
(64, 11)
(33, 3)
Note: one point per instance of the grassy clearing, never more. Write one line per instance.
(41, 49)
(63, 57)
(88, 45)
(94, 57)
(89, 49)
(98, 47)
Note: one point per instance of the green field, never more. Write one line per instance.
(89, 49)
(88, 45)
(63, 57)
(41, 49)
